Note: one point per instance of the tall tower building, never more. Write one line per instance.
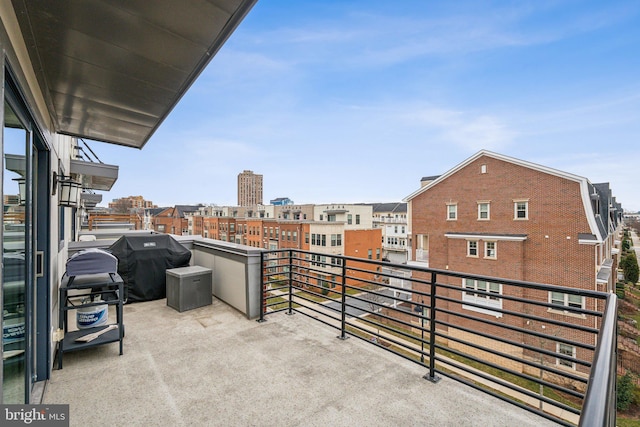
(249, 188)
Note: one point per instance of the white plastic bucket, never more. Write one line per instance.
(89, 317)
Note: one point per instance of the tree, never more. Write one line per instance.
(629, 265)
(625, 391)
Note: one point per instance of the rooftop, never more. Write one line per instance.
(213, 366)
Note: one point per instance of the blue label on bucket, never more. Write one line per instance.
(93, 318)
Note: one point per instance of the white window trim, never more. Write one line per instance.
(469, 249)
(484, 202)
(495, 249)
(558, 309)
(455, 217)
(481, 300)
(515, 209)
(562, 362)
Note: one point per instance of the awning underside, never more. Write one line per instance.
(113, 70)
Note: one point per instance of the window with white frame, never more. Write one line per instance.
(521, 209)
(472, 248)
(488, 298)
(566, 300)
(483, 210)
(565, 350)
(452, 212)
(490, 250)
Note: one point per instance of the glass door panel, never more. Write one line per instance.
(15, 246)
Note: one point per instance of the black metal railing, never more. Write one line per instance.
(540, 347)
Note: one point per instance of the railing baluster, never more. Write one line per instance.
(290, 311)
(263, 301)
(343, 305)
(432, 332)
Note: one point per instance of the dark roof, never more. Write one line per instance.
(602, 193)
(183, 209)
(154, 211)
(587, 236)
(395, 207)
(429, 178)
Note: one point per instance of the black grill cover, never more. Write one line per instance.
(143, 262)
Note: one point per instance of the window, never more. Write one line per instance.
(295, 236)
(490, 250)
(483, 210)
(472, 248)
(377, 253)
(331, 218)
(483, 168)
(452, 212)
(357, 218)
(349, 219)
(369, 254)
(288, 236)
(324, 239)
(521, 209)
(313, 239)
(306, 238)
(566, 300)
(321, 217)
(566, 350)
(339, 240)
(488, 297)
(334, 240)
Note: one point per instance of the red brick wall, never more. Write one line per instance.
(550, 254)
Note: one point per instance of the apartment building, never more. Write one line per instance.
(249, 188)
(176, 220)
(354, 217)
(330, 230)
(391, 218)
(123, 204)
(502, 217)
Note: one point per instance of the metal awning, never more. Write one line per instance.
(94, 176)
(113, 70)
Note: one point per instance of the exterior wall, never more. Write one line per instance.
(249, 189)
(363, 244)
(551, 252)
(355, 217)
(548, 253)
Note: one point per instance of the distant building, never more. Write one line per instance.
(281, 201)
(391, 218)
(496, 216)
(249, 189)
(123, 204)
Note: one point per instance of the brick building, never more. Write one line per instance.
(501, 217)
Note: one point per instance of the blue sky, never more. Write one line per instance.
(355, 101)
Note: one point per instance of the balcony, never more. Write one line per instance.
(212, 366)
(215, 365)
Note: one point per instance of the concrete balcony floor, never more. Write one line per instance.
(213, 367)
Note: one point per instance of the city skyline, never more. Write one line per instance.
(354, 102)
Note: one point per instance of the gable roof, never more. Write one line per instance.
(585, 186)
(397, 207)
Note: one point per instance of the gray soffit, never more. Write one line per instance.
(95, 176)
(113, 70)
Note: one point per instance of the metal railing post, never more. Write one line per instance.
(290, 311)
(431, 376)
(343, 305)
(263, 301)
